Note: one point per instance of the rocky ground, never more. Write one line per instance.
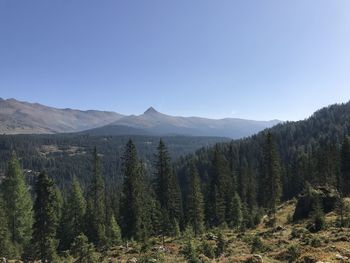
(285, 242)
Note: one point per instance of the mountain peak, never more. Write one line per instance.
(150, 110)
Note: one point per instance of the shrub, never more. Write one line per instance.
(221, 244)
(293, 253)
(190, 252)
(207, 249)
(257, 245)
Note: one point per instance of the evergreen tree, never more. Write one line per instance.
(83, 251)
(167, 190)
(195, 208)
(137, 203)
(96, 211)
(46, 219)
(114, 233)
(18, 205)
(236, 215)
(72, 222)
(271, 188)
(6, 246)
(220, 190)
(345, 166)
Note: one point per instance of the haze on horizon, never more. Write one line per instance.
(257, 60)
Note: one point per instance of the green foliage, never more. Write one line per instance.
(7, 248)
(17, 205)
(315, 241)
(168, 191)
(137, 208)
(220, 190)
(190, 252)
(271, 175)
(207, 249)
(195, 206)
(95, 212)
(257, 245)
(83, 251)
(113, 233)
(221, 244)
(236, 216)
(72, 222)
(317, 216)
(46, 219)
(293, 253)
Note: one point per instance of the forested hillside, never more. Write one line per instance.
(231, 188)
(63, 156)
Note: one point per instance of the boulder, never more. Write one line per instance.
(327, 196)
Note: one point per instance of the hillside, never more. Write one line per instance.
(64, 155)
(18, 117)
(309, 151)
(154, 122)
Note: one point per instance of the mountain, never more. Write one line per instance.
(18, 117)
(156, 123)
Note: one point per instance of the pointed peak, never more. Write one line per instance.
(150, 110)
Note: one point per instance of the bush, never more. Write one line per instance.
(190, 252)
(221, 244)
(293, 253)
(83, 251)
(315, 242)
(257, 245)
(207, 249)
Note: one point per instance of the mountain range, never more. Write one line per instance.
(17, 117)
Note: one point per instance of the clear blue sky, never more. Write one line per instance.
(229, 58)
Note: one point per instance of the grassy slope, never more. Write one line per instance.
(322, 246)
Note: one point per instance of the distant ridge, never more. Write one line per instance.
(18, 117)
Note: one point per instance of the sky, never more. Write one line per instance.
(251, 59)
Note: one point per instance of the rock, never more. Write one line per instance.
(132, 260)
(255, 259)
(327, 196)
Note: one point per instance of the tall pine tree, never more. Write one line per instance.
(220, 190)
(167, 190)
(136, 202)
(271, 188)
(195, 206)
(46, 219)
(72, 223)
(18, 205)
(96, 211)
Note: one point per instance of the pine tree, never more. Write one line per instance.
(167, 190)
(236, 216)
(96, 211)
(195, 208)
(18, 205)
(345, 166)
(114, 233)
(6, 246)
(83, 251)
(46, 219)
(271, 175)
(220, 190)
(137, 203)
(72, 223)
